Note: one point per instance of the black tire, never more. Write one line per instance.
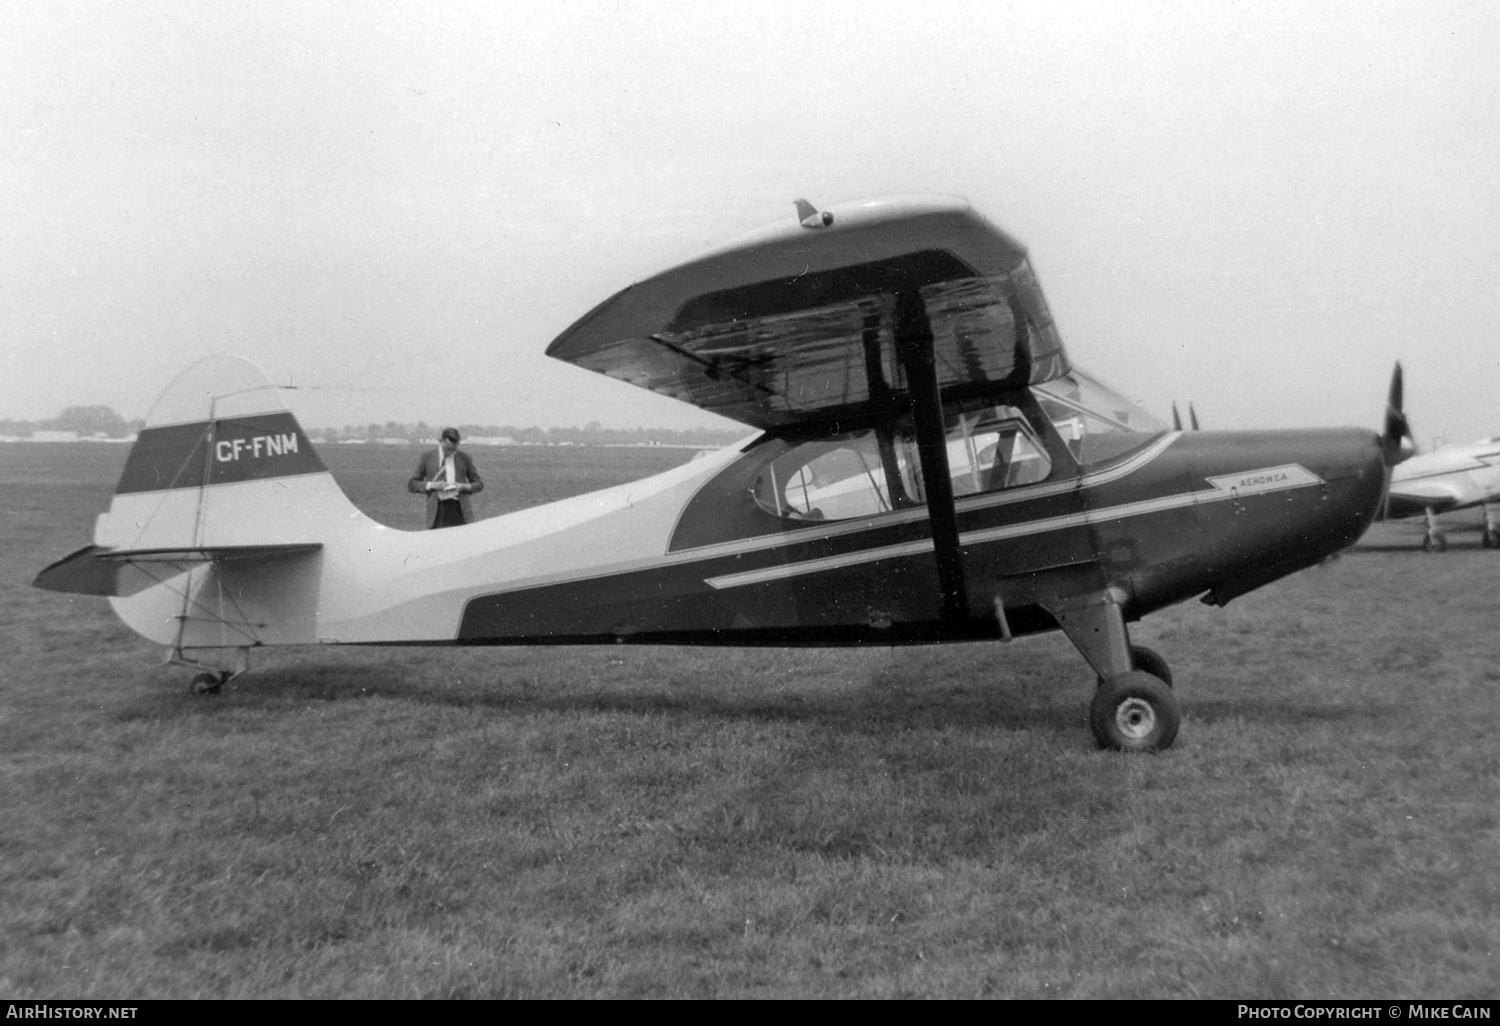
(1492, 539)
(1134, 712)
(207, 683)
(1150, 660)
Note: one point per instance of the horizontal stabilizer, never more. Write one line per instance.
(214, 554)
(114, 572)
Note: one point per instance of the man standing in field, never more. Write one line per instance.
(447, 477)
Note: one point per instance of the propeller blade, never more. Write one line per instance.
(1397, 427)
(1192, 416)
(1176, 417)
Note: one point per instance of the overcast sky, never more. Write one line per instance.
(1257, 206)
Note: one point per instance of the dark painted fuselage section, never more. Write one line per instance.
(1215, 514)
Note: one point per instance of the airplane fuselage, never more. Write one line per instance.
(690, 556)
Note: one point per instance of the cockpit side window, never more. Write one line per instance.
(991, 449)
(869, 472)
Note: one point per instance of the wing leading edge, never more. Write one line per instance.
(797, 322)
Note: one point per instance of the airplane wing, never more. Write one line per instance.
(795, 322)
(1417, 501)
(1450, 478)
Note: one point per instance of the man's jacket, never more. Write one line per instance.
(429, 468)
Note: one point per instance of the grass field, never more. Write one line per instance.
(652, 822)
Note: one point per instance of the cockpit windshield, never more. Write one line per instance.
(1097, 423)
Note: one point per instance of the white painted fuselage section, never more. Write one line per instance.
(370, 582)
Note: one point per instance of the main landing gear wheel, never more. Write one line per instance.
(1435, 543)
(1134, 712)
(209, 683)
(1491, 539)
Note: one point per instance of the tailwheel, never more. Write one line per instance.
(1134, 712)
(209, 682)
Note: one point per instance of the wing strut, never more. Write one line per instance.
(881, 392)
(914, 343)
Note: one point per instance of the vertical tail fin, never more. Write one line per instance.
(220, 464)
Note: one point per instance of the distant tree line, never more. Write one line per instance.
(103, 422)
(84, 421)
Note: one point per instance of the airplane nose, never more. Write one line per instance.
(1281, 501)
(1351, 464)
(1357, 471)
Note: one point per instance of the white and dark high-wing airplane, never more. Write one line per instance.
(928, 466)
(1449, 478)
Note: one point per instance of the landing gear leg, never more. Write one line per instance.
(1133, 708)
(1435, 541)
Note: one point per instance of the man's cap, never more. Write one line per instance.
(450, 433)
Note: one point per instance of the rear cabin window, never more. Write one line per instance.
(866, 473)
(838, 478)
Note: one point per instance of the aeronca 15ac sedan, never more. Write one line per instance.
(929, 467)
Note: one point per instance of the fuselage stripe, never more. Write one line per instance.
(965, 505)
(991, 534)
